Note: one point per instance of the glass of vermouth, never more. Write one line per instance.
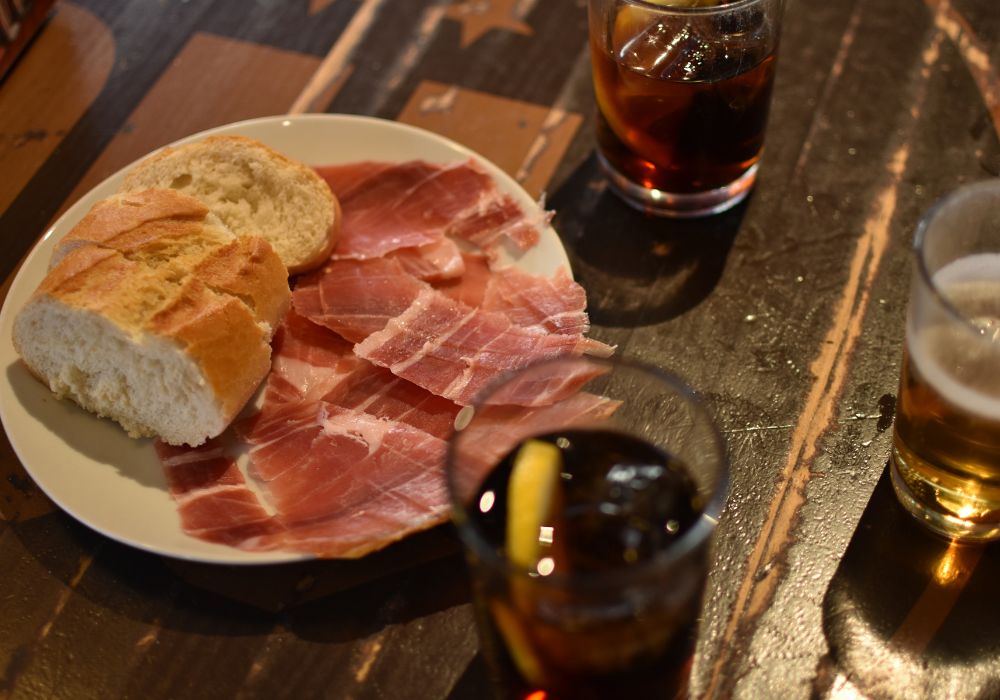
(683, 91)
(585, 492)
(946, 442)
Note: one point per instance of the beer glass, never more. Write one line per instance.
(946, 441)
(683, 90)
(586, 519)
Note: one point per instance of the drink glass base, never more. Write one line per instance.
(938, 521)
(686, 205)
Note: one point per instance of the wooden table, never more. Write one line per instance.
(786, 313)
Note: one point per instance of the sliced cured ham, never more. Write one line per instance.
(500, 219)
(454, 351)
(378, 392)
(417, 203)
(432, 262)
(406, 205)
(355, 298)
(470, 288)
(312, 363)
(334, 464)
(347, 180)
(553, 304)
(213, 499)
(378, 487)
(308, 361)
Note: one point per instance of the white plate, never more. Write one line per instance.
(89, 466)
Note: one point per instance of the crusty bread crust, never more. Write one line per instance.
(218, 332)
(122, 221)
(184, 315)
(254, 190)
(249, 270)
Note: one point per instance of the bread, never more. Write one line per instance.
(161, 322)
(254, 190)
(150, 220)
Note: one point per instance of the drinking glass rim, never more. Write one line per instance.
(691, 539)
(922, 232)
(707, 10)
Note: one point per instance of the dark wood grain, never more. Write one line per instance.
(785, 313)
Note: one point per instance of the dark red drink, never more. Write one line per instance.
(682, 135)
(683, 96)
(585, 623)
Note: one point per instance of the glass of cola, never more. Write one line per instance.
(585, 492)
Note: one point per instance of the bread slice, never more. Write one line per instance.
(254, 190)
(161, 327)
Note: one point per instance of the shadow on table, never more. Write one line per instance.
(321, 600)
(638, 269)
(474, 683)
(910, 615)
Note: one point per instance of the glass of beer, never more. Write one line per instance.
(585, 492)
(946, 441)
(683, 90)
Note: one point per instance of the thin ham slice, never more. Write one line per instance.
(470, 288)
(312, 363)
(365, 530)
(454, 351)
(213, 500)
(355, 298)
(334, 464)
(308, 361)
(502, 219)
(344, 483)
(406, 205)
(378, 392)
(554, 304)
(416, 203)
(432, 262)
(378, 486)
(348, 180)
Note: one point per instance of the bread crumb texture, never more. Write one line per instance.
(254, 190)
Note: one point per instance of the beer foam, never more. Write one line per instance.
(984, 267)
(972, 277)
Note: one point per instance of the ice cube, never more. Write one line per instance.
(637, 509)
(741, 22)
(662, 47)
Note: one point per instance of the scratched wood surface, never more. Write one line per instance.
(786, 313)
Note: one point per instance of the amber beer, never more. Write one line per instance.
(946, 446)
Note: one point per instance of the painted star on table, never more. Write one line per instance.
(317, 6)
(480, 16)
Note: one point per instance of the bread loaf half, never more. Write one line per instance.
(163, 326)
(254, 190)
